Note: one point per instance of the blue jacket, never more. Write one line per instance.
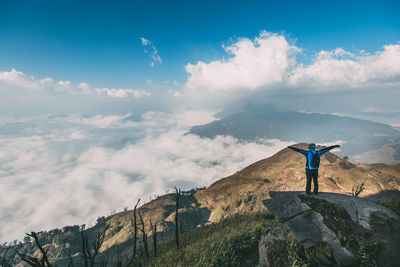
(310, 152)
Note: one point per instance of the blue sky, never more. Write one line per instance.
(98, 41)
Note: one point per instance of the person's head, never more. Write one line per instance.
(312, 146)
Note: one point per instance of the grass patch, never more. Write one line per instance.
(231, 242)
(367, 254)
(296, 255)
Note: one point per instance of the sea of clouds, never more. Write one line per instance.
(65, 170)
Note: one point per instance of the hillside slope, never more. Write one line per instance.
(284, 171)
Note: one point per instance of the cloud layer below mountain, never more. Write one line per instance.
(71, 169)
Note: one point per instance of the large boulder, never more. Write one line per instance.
(332, 230)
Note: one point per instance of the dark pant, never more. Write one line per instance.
(314, 175)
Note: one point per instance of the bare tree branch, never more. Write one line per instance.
(43, 262)
(30, 260)
(178, 193)
(135, 228)
(89, 255)
(357, 189)
(154, 235)
(84, 243)
(143, 230)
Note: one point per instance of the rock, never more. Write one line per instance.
(333, 229)
(285, 206)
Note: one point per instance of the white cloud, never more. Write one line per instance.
(265, 60)
(175, 93)
(86, 90)
(144, 41)
(64, 86)
(153, 53)
(18, 80)
(70, 170)
(268, 63)
(101, 121)
(122, 92)
(165, 85)
(339, 68)
(372, 110)
(15, 80)
(338, 52)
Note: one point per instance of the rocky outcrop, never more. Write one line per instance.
(333, 230)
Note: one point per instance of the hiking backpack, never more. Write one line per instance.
(315, 160)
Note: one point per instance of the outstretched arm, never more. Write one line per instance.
(326, 149)
(297, 150)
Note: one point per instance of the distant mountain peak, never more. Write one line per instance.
(258, 122)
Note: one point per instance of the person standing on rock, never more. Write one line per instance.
(312, 164)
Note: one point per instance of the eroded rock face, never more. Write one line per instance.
(333, 229)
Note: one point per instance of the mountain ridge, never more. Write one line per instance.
(257, 122)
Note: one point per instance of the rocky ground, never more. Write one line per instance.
(332, 230)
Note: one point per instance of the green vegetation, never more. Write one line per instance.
(231, 242)
(54, 241)
(296, 254)
(367, 254)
